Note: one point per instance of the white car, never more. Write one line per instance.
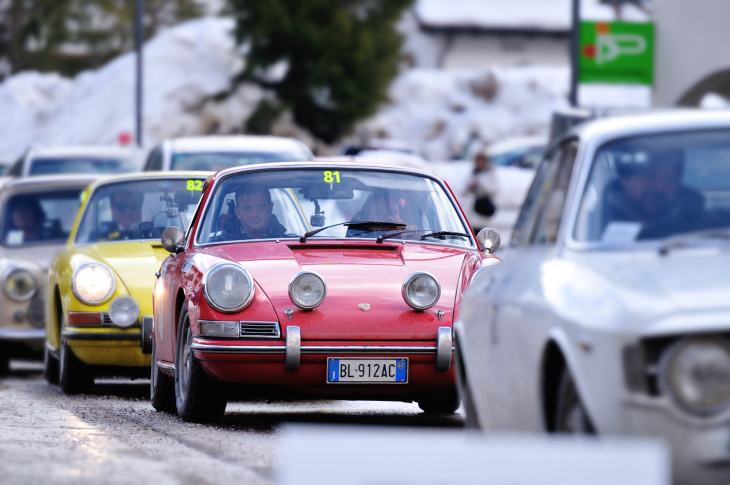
(219, 152)
(77, 159)
(610, 310)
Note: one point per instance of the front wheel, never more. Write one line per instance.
(4, 363)
(162, 390)
(446, 403)
(50, 366)
(198, 398)
(74, 376)
(571, 416)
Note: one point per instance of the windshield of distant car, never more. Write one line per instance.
(215, 161)
(44, 166)
(43, 217)
(277, 204)
(654, 187)
(139, 209)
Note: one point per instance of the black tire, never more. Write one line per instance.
(571, 416)
(162, 389)
(4, 364)
(50, 366)
(73, 375)
(471, 420)
(198, 398)
(443, 403)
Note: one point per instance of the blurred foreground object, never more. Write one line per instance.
(609, 311)
(219, 152)
(77, 159)
(356, 455)
(37, 215)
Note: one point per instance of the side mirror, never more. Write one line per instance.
(488, 240)
(172, 239)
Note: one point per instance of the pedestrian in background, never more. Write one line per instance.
(484, 187)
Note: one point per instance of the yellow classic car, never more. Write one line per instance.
(99, 296)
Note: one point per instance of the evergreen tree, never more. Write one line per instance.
(340, 55)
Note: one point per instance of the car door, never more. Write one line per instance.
(520, 315)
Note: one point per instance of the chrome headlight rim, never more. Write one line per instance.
(296, 278)
(668, 358)
(21, 298)
(112, 291)
(121, 300)
(409, 280)
(246, 302)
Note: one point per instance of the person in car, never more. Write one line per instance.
(650, 192)
(253, 209)
(380, 206)
(27, 215)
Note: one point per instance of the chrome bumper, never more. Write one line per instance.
(15, 335)
(293, 349)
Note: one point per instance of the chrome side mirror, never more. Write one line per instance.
(172, 239)
(488, 240)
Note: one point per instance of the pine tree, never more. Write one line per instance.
(340, 55)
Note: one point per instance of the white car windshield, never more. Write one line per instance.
(45, 166)
(215, 161)
(331, 203)
(139, 209)
(655, 187)
(43, 218)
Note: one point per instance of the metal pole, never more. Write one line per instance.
(574, 53)
(138, 44)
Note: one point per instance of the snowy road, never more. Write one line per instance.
(113, 435)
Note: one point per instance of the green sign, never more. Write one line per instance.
(616, 52)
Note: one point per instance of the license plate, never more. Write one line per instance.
(367, 371)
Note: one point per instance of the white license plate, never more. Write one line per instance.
(364, 371)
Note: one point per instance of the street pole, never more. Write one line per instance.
(574, 53)
(138, 44)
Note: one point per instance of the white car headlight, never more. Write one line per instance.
(20, 285)
(696, 373)
(228, 288)
(421, 290)
(124, 311)
(93, 283)
(307, 290)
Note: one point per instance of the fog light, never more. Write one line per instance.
(124, 311)
(219, 329)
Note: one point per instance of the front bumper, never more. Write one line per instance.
(700, 447)
(111, 346)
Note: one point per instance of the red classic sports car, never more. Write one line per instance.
(328, 280)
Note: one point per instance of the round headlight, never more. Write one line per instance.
(307, 290)
(228, 288)
(93, 284)
(124, 311)
(421, 291)
(696, 373)
(20, 285)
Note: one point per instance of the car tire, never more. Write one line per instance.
(445, 403)
(198, 398)
(471, 420)
(4, 364)
(73, 375)
(50, 366)
(162, 389)
(571, 416)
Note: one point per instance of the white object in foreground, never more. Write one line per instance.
(351, 455)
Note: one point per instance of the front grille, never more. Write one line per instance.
(37, 310)
(106, 319)
(260, 329)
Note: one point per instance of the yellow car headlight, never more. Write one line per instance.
(93, 284)
(20, 285)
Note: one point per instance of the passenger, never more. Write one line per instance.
(254, 212)
(651, 193)
(380, 206)
(27, 215)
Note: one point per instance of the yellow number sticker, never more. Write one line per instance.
(330, 177)
(195, 185)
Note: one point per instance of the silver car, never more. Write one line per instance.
(218, 152)
(36, 215)
(610, 310)
(76, 159)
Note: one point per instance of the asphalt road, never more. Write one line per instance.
(114, 436)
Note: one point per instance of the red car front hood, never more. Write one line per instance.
(364, 286)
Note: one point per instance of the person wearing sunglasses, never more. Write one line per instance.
(126, 208)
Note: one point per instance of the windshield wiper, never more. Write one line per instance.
(355, 225)
(381, 238)
(683, 239)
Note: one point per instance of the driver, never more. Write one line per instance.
(254, 211)
(652, 194)
(126, 209)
